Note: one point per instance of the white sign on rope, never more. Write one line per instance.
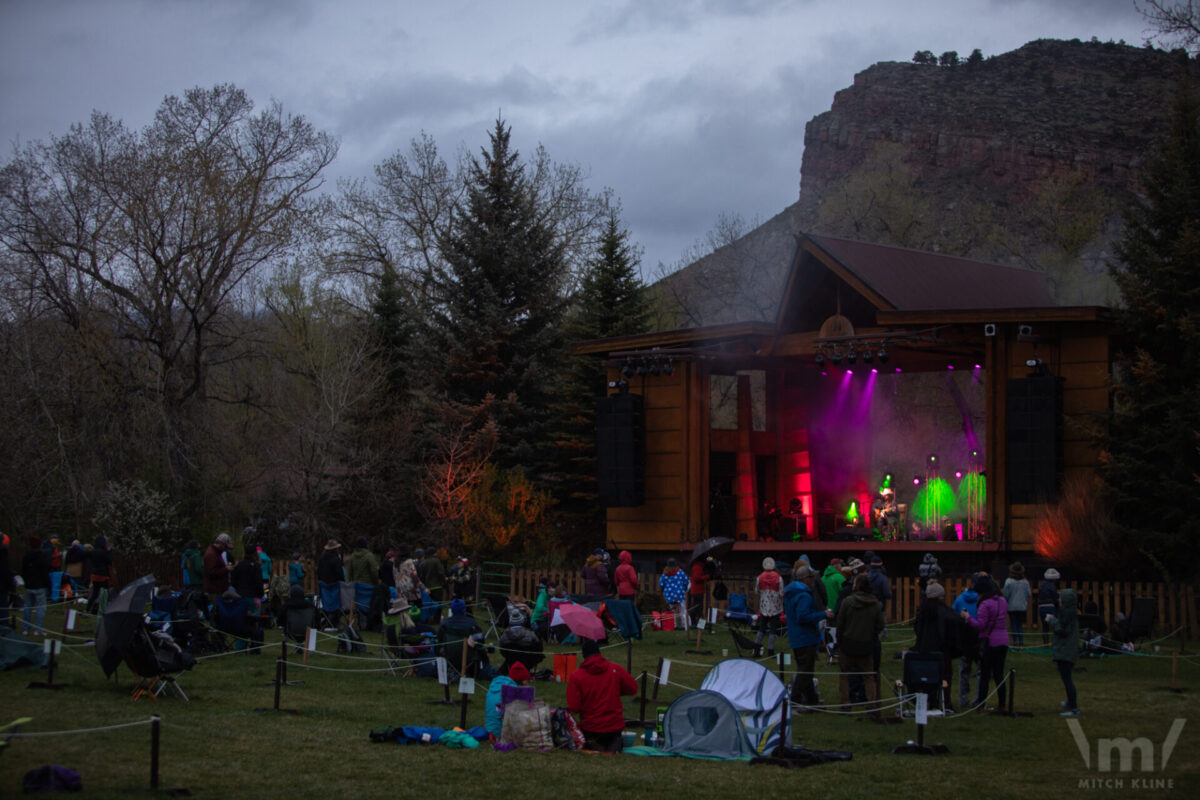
(922, 708)
(51, 646)
(665, 672)
(310, 640)
(700, 624)
(712, 616)
(442, 677)
(71, 619)
(466, 685)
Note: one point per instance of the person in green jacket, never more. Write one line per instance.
(541, 608)
(362, 566)
(1065, 647)
(833, 579)
(859, 623)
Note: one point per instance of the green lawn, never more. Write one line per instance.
(219, 745)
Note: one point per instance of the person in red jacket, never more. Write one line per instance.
(701, 572)
(626, 577)
(594, 694)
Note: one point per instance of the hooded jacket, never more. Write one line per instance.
(193, 566)
(594, 694)
(626, 575)
(968, 601)
(859, 623)
(992, 622)
(595, 578)
(803, 614)
(362, 566)
(1065, 646)
(832, 579)
(674, 584)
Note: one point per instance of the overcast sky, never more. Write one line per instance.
(685, 109)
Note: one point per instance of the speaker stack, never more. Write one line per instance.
(620, 450)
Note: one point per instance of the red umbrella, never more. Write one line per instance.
(582, 621)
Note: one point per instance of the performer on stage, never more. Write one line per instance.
(887, 515)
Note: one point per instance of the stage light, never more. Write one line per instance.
(899, 370)
(882, 355)
(933, 459)
(950, 367)
(1033, 362)
(627, 369)
(978, 366)
(655, 369)
(820, 359)
(849, 371)
(642, 369)
(669, 368)
(958, 473)
(823, 372)
(852, 357)
(916, 480)
(836, 358)
(868, 355)
(874, 371)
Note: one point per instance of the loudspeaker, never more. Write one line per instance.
(620, 450)
(1033, 438)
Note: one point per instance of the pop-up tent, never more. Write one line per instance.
(737, 713)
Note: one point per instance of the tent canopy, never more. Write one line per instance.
(736, 713)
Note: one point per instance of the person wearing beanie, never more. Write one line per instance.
(35, 571)
(936, 629)
(804, 615)
(246, 577)
(770, 607)
(1047, 601)
(992, 626)
(1016, 595)
(594, 694)
(674, 585)
(518, 675)
(968, 641)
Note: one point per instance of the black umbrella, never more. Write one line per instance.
(715, 546)
(120, 622)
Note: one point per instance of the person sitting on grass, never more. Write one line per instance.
(594, 694)
(518, 675)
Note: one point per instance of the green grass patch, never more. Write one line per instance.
(218, 745)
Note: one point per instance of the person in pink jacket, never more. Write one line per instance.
(991, 621)
(626, 577)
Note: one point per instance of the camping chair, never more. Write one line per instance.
(923, 674)
(738, 612)
(1140, 622)
(744, 644)
(296, 623)
(162, 610)
(396, 629)
(497, 608)
(153, 675)
(233, 618)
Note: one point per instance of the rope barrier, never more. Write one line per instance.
(21, 734)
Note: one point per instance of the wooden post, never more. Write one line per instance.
(154, 742)
(629, 655)
(642, 714)
(657, 678)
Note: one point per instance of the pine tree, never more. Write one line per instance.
(500, 296)
(612, 301)
(1151, 459)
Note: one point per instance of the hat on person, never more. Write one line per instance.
(670, 562)
(768, 563)
(516, 618)
(599, 551)
(887, 491)
(464, 560)
(876, 560)
(333, 544)
(802, 571)
(1051, 574)
(360, 541)
(296, 592)
(835, 562)
(935, 589)
(398, 606)
(590, 648)
(223, 539)
(518, 672)
(458, 607)
(847, 570)
(1017, 568)
(418, 553)
(855, 564)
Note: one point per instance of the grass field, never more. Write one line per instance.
(218, 745)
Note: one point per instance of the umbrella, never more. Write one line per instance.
(582, 621)
(120, 622)
(715, 546)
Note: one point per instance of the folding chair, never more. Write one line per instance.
(742, 643)
(497, 608)
(738, 611)
(296, 623)
(153, 677)
(395, 629)
(923, 675)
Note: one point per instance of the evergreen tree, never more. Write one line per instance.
(495, 330)
(612, 301)
(1151, 459)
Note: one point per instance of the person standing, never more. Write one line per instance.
(433, 575)
(296, 571)
(100, 581)
(35, 571)
(362, 566)
(1047, 597)
(698, 588)
(770, 606)
(936, 629)
(626, 577)
(594, 694)
(216, 568)
(674, 585)
(596, 583)
(992, 625)
(246, 578)
(1016, 595)
(804, 616)
(408, 582)
(264, 563)
(1066, 648)
(968, 642)
(859, 623)
(193, 565)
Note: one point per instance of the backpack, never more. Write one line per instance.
(51, 779)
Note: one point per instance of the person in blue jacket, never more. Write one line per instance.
(968, 663)
(804, 615)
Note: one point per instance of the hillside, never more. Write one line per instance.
(1026, 158)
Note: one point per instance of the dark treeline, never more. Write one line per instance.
(198, 335)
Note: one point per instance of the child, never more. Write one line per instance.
(295, 570)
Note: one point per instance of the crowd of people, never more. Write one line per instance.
(78, 571)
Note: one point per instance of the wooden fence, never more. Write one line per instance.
(1177, 606)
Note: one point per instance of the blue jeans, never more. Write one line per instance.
(1016, 624)
(35, 604)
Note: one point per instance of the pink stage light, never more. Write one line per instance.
(950, 366)
(874, 371)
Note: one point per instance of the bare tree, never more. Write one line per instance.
(1176, 24)
(149, 236)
